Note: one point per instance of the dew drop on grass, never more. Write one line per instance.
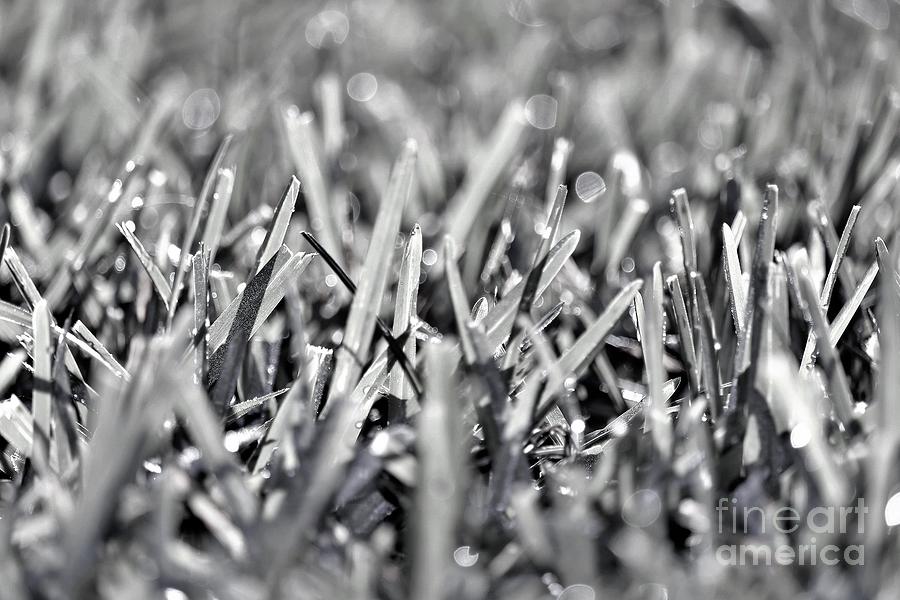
(540, 111)
(232, 441)
(201, 109)
(362, 87)
(589, 186)
(642, 508)
(464, 557)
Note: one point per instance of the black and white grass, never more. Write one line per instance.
(476, 300)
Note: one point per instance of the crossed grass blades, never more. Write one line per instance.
(501, 312)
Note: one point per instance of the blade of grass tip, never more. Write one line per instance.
(244, 408)
(830, 279)
(438, 492)
(393, 344)
(218, 211)
(30, 229)
(682, 210)
(300, 134)
(279, 225)
(14, 321)
(485, 171)
(41, 399)
(581, 353)
(367, 299)
(108, 360)
(748, 347)
(652, 335)
(685, 334)
(550, 230)
(623, 235)
(607, 212)
(838, 258)
(832, 244)
(4, 241)
(559, 161)
(156, 276)
(498, 323)
(734, 278)
(404, 310)
(200, 207)
(20, 277)
(840, 395)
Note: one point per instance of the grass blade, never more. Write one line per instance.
(367, 300)
(581, 353)
(498, 323)
(830, 280)
(218, 212)
(843, 318)
(289, 268)
(159, 280)
(652, 335)
(200, 208)
(404, 310)
(4, 241)
(841, 397)
(438, 487)
(483, 174)
(20, 276)
(299, 130)
(279, 225)
(41, 399)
